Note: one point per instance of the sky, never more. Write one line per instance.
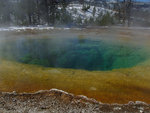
(144, 0)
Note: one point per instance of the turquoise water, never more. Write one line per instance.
(77, 53)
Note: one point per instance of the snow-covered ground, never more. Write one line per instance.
(16, 28)
(76, 10)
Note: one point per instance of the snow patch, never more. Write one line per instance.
(31, 28)
(76, 11)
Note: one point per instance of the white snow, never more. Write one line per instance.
(76, 11)
(18, 29)
(15, 28)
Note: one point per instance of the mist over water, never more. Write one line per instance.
(96, 48)
(118, 60)
(71, 51)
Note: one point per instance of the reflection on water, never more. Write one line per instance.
(78, 52)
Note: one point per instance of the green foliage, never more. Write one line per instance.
(79, 21)
(91, 20)
(104, 20)
(47, 12)
(66, 18)
(85, 8)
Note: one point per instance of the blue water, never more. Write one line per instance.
(77, 53)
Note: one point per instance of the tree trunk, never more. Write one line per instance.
(30, 19)
(38, 12)
(47, 12)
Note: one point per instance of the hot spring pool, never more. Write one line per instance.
(110, 65)
(76, 51)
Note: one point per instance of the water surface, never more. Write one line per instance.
(110, 65)
(76, 51)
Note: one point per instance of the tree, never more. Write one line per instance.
(128, 10)
(127, 6)
(38, 11)
(94, 11)
(5, 11)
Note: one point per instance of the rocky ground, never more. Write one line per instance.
(57, 101)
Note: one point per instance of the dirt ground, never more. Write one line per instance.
(58, 101)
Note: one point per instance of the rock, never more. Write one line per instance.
(58, 101)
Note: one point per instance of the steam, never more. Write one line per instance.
(73, 48)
